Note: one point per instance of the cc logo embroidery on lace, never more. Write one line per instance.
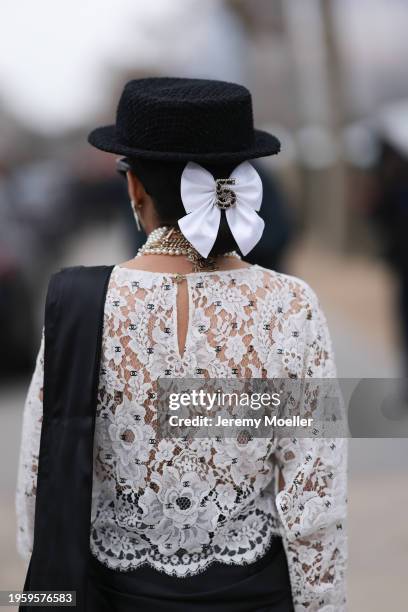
(226, 197)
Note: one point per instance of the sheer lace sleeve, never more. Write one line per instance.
(312, 503)
(28, 460)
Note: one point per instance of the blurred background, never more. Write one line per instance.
(329, 78)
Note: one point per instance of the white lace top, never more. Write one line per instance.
(179, 506)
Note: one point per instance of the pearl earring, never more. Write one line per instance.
(139, 227)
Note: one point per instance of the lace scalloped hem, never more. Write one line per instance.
(186, 564)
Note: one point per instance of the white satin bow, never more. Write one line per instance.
(198, 193)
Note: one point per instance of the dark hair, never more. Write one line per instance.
(161, 180)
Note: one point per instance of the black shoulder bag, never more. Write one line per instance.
(73, 331)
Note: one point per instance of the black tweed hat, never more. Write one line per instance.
(179, 119)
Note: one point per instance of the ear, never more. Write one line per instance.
(136, 190)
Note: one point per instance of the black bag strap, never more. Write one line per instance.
(73, 333)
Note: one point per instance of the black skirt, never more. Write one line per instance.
(262, 586)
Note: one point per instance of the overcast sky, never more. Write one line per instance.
(52, 52)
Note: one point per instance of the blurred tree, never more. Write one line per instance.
(259, 15)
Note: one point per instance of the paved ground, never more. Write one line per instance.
(356, 297)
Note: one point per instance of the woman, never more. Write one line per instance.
(180, 523)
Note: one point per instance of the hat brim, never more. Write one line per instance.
(104, 138)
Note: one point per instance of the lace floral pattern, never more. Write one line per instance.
(28, 461)
(180, 505)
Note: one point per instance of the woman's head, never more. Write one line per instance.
(165, 123)
(154, 189)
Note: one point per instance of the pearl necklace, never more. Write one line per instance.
(170, 241)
